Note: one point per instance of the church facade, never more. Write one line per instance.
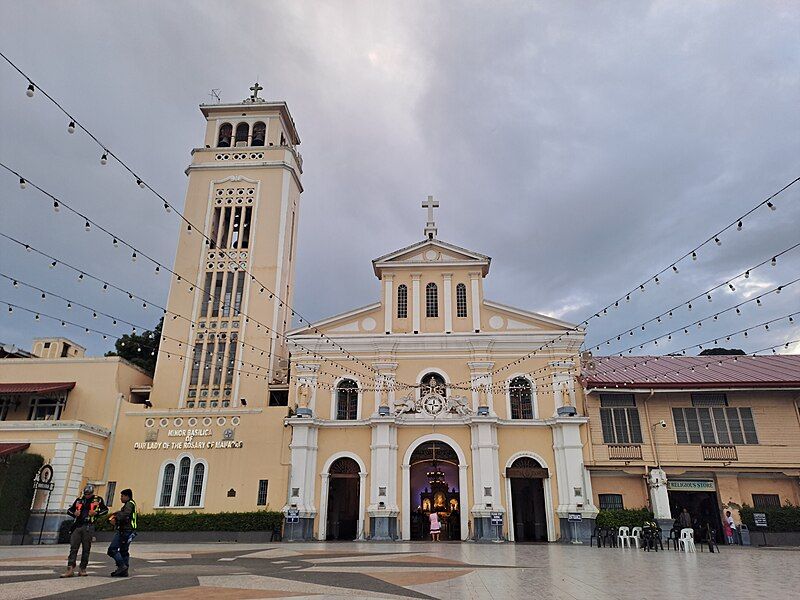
(420, 416)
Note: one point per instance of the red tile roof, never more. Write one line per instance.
(692, 372)
(36, 388)
(6, 449)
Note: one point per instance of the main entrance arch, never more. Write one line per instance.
(343, 501)
(434, 480)
(530, 504)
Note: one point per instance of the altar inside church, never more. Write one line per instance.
(434, 488)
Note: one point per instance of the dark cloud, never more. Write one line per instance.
(583, 147)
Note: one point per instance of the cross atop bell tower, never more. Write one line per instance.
(430, 226)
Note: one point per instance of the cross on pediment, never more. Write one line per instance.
(430, 227)
(255, 89)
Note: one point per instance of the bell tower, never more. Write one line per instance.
(230, 304)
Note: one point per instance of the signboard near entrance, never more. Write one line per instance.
(497, 518)
(691, 485)
(574, 517)
(760, 519)
(292, 515)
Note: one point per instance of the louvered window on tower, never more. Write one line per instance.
(619, 419)
(431, 300)
(402, 301)
(461, 300)
(259, 134)
(225, 135)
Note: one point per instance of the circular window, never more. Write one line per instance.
(177, 422)
(220, 421)
(149, 422)
(163, 422)
(235, 421)
(192, 422)
(206, 421)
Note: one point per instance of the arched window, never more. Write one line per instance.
(197, 484)
(183, 481)
(259, 134)
(166, 485)
(431, 300)
(521, 396)
(225, 135)
(402, 301)
(242, 131)
(433, 383)
(461, 300)
(347, 400)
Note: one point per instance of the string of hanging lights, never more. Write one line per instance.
(168, 206)
(118, 240)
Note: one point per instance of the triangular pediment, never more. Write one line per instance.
(364, 320)
(502, 318)
(431, 252)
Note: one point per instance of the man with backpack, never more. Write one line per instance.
(124, 521)
(85, 511)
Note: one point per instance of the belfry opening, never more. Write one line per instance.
(434, 481)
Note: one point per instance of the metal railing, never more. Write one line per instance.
(719, 453)
(624, 452)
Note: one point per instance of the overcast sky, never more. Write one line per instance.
(583, 146)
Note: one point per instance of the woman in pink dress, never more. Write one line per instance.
(435, 526)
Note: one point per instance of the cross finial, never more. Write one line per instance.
(430, 227)
(255, 89)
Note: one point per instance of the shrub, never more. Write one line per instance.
(626, 517)
(16, 490)
(197, 521)
(785, 518)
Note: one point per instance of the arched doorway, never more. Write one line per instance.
(434, 482)
(343, 500)
(528, 502)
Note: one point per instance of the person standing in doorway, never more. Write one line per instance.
(730, 528)
(124, 521)
(685, 519)
(84, 510)
(435, 526)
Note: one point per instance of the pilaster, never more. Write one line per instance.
(415, 301)
(485, 476)
(302, 469)
(448, 302)
(388, 302)
(574, 495)
(475, 280)
(383, 510)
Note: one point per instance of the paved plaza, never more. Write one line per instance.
(403, 570)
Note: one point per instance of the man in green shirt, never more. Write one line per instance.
(124, 521)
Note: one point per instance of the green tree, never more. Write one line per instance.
(140, 349)
(721, 351)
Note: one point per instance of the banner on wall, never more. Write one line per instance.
(691, 485)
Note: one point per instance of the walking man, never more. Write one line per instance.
(84, 510)
(124, 521)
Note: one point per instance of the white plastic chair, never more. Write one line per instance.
(624, 537)
(686, 540)
(636, 535)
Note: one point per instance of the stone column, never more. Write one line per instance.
(302, 478)
(573, 478)
(415, 301)
(383, 509)
(485, 477)
(475, 280)
(480, 374)
(659, 498)
(448, 302)
(388, 302)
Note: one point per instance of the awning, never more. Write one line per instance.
(36, 388)
(6, 449)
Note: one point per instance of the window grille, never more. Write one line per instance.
(225, 134)
(714, 425)
(242, 132)
(521, 397)
(431, 300)
(197, 484)
(402, 301)
(111, 490)
(707, 399)
(166, 485)
(262, 492)
(619, 419)
(259, 134)
(461, 300)
(183, 482)
(347, 400)
(611, 502)
(765, 501)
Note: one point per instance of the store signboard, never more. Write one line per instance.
(691, 485)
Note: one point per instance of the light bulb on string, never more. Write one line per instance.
(69, 305)
(158, 269)
(709, 297)
(718, 241)
(747, 274)
(778, 289)
(15, 283)
(739, 226)
(80, 277)
(758, 302)
(167, 207)
(22, 183)
(10, 309)
(675, 268)
(71, 127)
(769, 204)
(94, 315)
(133, 256)
(31, 89)
(53, 264)
(44, 296)
(105, 287)
(56, 206)
(774, 261)
(730, 285)
(115, 243)
(87, 226)
(139, 182)
(104, 159)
